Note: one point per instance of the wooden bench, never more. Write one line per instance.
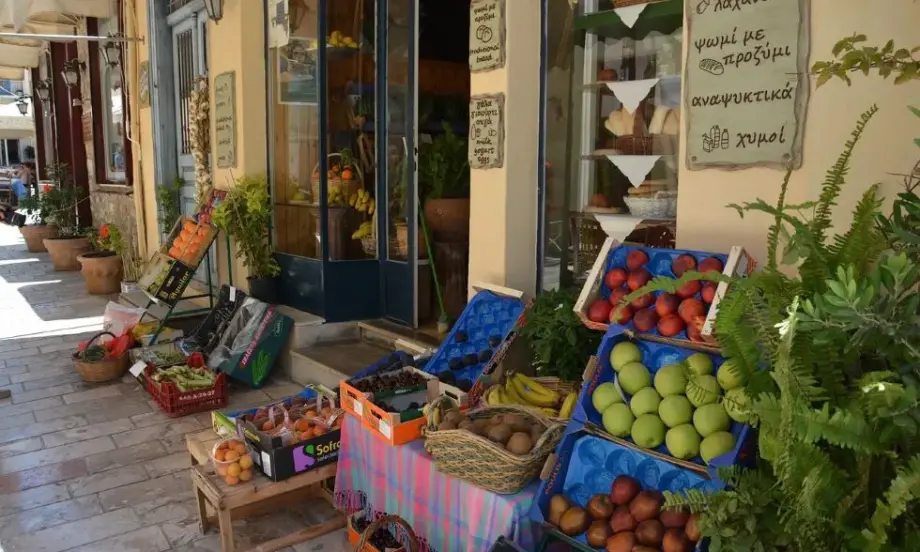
(221, 503)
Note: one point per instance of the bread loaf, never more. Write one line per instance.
(658, 118)
(671, 125)
(620, 122)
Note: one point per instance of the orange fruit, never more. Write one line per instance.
(231, 480)
(318, 430)
(347, 174)
(310, 413)
(231, 456)
(219, 455)
(245, 475)
(224, 445)
(245, 462)
(234, 470)
(268, 426)
(221, 470)
(240, 449)
(301, 425)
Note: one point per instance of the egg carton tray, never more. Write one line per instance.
(654, 356)
(487, 323)
(586, 463)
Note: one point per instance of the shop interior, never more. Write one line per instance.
(352, 139)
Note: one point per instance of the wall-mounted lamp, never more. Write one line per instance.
(215, 9)
(71, 71)
(43, 89)
(22, 103)
(111, 51)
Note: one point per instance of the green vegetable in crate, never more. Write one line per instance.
(185, 378)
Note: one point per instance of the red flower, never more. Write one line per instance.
(104, 231)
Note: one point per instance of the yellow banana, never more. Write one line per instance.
(513, 395)
(495, 397)
(568, 406)
(552, 413)
(535, 386)
(532, 397)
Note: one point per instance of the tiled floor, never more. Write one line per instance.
(97, 467)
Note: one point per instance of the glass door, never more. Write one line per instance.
(398, 228)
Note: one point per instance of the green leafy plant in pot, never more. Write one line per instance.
(444, 177)
(38, 209)
(102, 268)
(60, 202)
(245, 215)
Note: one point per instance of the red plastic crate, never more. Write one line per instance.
(175, 403)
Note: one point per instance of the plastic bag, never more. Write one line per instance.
(239, 333)
(119, 319)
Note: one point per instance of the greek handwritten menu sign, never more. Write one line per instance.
(487, 132)
(487, 35)
(225, 119)
(747, 83)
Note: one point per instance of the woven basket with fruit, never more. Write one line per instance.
(344, 176)
(367, 232)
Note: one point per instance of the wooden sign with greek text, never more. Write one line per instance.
(225, 119)
(487, 132)
(747, 83)
(487, 35)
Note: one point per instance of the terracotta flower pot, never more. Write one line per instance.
(35, 234)
(102, 272)
(448, 215)
(64, 252)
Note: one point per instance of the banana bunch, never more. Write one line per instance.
(525, 391)
(335, 196)
(363, 231)
(362, 202)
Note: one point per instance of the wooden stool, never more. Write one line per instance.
(221, 503)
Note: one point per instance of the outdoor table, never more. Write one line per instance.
(447, 514)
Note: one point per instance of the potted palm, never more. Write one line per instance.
(444, 176)
(102, 267)
(245, 215)
(61, 203)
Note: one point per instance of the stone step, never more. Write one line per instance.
(330, 363)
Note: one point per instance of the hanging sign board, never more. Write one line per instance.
(487, 132)
(747, 83)
(225, 119)
(487, 35)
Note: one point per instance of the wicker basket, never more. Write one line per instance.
(462, 454)
(348, 186)
(404, 527)
(662, 206)
(98, 371)
(554, 384)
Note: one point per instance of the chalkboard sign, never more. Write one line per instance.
(487, 131)
(487, 35)
(746, 83)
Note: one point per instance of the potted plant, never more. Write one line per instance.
(102, 267)
(35, 206)
(444, 177)
(61, 204)
(245, 215)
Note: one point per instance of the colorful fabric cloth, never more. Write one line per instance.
(447, 514)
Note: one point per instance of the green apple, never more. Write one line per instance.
(623, 353)
(711, 418)
(700, 364)
(736, 405)
(729, 376)
(646, 401)
(716, 445)
(618, 420)
(683, 442)
(605, 395)
(671, 380)
(648, 431)
(675, 410)
(634, 377)
(703, 390)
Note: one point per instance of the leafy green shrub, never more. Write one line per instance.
(245, 215)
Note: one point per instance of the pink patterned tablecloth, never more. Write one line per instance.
(447, 514)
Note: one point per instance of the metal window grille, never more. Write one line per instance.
(185, 59)
(176, 4)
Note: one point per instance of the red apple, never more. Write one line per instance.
(708, 292)
(682, 264)
(616, 296)
(695, 328)
(711, 264)
(690, 308)
(645, 320)
(615, 278)
(621, 315)
(636, 259)
(599, 311)
(670, 325)
(643, 302)
(638, 278)
(689, 289)
(667, 304)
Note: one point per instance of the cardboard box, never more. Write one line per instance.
(250, 345)
(165, 279)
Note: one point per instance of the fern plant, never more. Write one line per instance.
(830, 360)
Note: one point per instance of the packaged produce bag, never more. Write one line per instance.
(250, 345)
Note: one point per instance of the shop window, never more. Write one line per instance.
(113, 110)
(611, 130)
(349, 110)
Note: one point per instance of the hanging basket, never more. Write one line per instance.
(98, 371)
(348, 187)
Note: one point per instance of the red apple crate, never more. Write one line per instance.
(175, 403)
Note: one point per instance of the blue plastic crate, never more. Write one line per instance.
(487, 315)
(654, 356)
(587, 464)
(659, 264)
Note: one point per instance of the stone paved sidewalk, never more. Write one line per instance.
(97, 468)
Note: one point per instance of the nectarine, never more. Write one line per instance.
(616, 296)
(621, 315)
(615, 278)
(689, 289)
(711, 264)
(666, 304)
(670, 325)
(636, 259)
(638, 278)
(690, 308)
(645, 320)
(708, 292)
(642, 302)
(599, 311)
(682, 264)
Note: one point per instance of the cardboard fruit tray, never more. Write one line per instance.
(586, 464)
(349, 395)
(614, 255)
(654, 356)
(480, 337)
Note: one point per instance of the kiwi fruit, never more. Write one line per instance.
(514, 420)
(447, 424)
(496, 419)
(500, 434)
(453, 416)
(481, 425)
(519, 443)
(461, 337)
(467, 425)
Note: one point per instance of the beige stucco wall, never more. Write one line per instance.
(887, 146)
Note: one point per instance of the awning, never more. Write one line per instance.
(20, 12)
